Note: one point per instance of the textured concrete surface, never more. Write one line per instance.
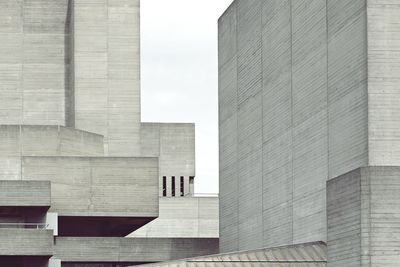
(35, 62)
(106, 52)
(187, 217)
(26, 242)
(85, 186)
(301, 255)
(293, 113)
(363, 221)
(76, 249)
(25, 194)
(174, 145)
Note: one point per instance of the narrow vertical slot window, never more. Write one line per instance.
(182, 186)
(164, 186)
(173, 186)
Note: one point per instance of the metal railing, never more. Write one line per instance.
(37, 226)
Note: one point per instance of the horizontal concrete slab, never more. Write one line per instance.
(78, 249)
(26, 242)
(25, 194)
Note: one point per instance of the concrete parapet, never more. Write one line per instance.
(25, 194)
(363, 208)
(26, 242)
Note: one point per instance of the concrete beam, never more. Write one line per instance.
(78, 249)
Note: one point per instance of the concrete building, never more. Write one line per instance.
(309, 127)
(79, 171)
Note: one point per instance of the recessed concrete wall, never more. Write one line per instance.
(35, 62)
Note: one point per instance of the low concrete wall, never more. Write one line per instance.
(363, 208)
(25, 194)
(184, 217)
(78, 249)
(26, 242)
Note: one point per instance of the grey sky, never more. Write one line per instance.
(180, 73)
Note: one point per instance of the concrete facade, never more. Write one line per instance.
(307, 93)
(79, 171)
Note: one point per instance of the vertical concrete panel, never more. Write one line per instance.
(45, 62)
(11, 45)
(90, 66)
(383, 82)
(344, 219)
(108, 69)
(309, 96)
(249, 89)
(123, 48)
(347, 86)
(228, 181)
(277, 121)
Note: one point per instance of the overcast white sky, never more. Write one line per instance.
(180, 73)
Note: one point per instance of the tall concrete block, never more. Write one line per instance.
(363, 217)
(35, 62)
(347, 86)
(107, 72)
(383, 82)
(228, 182)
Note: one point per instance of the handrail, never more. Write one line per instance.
(24, 226)
(205, 195)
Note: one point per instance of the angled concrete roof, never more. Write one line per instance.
(307, 254)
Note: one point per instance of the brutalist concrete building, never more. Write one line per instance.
(79, 171)
(309, 124)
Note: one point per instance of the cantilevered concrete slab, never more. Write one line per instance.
(131, 250)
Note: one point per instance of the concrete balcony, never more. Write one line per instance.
(98, 196)
(25, 242)
(28, 194)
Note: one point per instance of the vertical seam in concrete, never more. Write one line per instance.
(22, 63)
(107, 138)
(237, 124)
(327, 90)
(291, 111)
(367, 79)
(368, 131)
(262, 122)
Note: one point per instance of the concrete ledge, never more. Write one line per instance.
(25, 194)
(26, 242)
(76, 249)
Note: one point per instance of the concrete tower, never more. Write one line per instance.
(309, 94)
(78, 169)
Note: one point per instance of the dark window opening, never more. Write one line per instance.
(182, 187)
(164, 186)
(173, 186)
